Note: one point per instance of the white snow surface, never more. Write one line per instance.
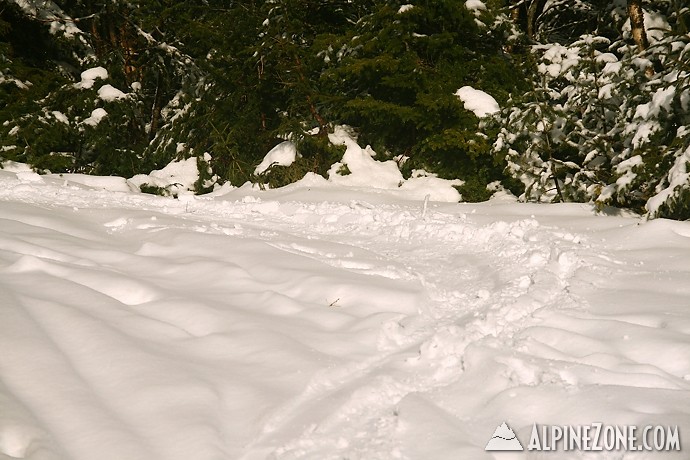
(477, 101)
(320, 321)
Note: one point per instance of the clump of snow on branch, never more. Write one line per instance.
(477, 101)
(89, 77)
(283, 154)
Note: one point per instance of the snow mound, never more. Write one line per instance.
(358, 168)
(362, 169)
(477, 101)
(423, 184)
(177, 178)
(283, 154)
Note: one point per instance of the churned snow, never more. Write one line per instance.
(326, 321)
(477, 101)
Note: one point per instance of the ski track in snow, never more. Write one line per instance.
(260, 325)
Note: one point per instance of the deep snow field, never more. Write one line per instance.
(328, 321)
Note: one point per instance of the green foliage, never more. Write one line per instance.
(399, 71)
(49, 116)
(228, 159)
(154, 190)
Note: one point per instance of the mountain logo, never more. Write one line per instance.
(504, 439)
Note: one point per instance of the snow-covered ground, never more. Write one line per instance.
(323, 322)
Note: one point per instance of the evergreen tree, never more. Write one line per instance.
(53, 126)
(597, 128)
(397, 72)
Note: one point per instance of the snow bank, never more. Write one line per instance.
(359, 169)
(110, 183)
(477, 101)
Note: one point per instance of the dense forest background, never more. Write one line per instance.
(595, 95)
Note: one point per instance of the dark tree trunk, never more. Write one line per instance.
(536, 8)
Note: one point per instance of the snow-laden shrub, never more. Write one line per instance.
(597, 128)
(83, 95)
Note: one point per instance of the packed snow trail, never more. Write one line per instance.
(327, 323)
